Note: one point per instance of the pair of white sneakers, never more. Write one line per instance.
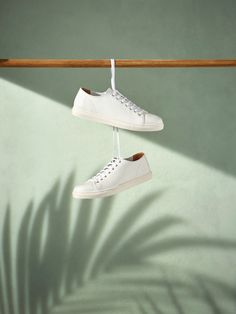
(114, 109)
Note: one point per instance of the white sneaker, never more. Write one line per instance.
(118, 175)
(112, 108)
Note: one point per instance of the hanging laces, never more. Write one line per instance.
(113, 75)
(116, 136)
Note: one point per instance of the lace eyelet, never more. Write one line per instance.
(113, 168)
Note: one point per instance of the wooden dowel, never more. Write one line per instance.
(105, 63)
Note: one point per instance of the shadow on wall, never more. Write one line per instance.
(198, 106)
(52, 262)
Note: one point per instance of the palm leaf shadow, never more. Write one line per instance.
(142, 296)
(120, 230)
(7, 261)
(210, 300)
(145, 290)
(1, 290)
(156, 309)
(21, 266)
(172, 295)
(47, 271)
(39, 288)
(107, 250)
(74, 274)
(222, 287)
(184, 242)
(52, 260)
(126, 254)
(101, 219)
(147, 300)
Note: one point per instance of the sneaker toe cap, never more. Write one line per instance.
(87, 187)
(155, 121)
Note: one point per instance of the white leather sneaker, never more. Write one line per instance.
(118, 175)
(112, 108)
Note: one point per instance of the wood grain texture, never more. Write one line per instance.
(121, 63)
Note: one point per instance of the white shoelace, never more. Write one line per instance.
(108, 169)
(128, 103)
(116, 136)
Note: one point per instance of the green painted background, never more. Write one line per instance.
(167, 246)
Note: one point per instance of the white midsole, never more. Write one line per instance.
(115, 190)
(115, 123)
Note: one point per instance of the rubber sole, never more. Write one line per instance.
(116, 190)
(118, 124)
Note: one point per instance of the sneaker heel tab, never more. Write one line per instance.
(138, 156)
(86, 90)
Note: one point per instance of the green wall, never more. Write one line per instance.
(167, 246)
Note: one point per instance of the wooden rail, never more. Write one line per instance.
(120, 63)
